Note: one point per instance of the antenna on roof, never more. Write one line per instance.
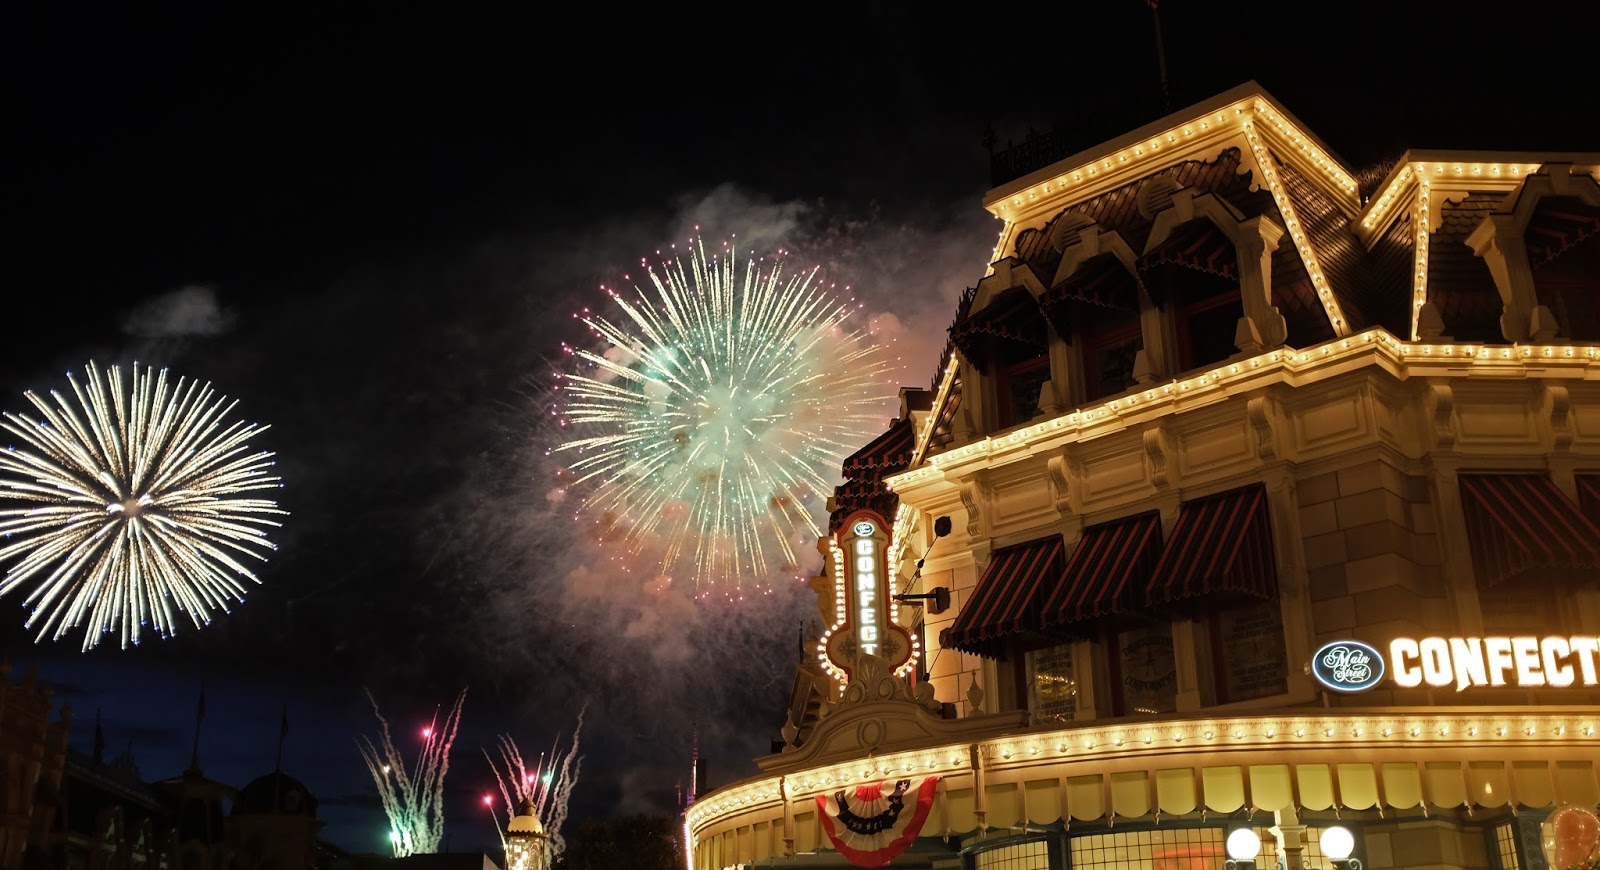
(1161, 56)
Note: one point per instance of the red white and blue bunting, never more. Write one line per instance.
(871, 824)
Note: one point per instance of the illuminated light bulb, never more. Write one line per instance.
(1208, 735)
(1444, 732)
(1416, 732)
(1006, 754)
(1238, 735)
(1118, 741)
(1148, 739)
(1473, 731)
(1386, 732)
(1329, 732)
(1270, 732)
(1299, 732)
(1500, 732)
(1088, 744)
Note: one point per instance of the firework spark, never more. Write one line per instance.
(547, 786)
(719, 412)
(413, 799)
(136, 505)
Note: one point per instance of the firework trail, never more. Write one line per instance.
(714, 422)
(135, 505)
(548, 787)
(414, 799)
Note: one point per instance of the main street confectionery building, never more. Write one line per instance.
(1256, 492)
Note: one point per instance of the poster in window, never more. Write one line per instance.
(1254, 662)
(1149, 671)
(1055, 689)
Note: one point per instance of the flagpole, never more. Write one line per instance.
(283, 731)
(199, 716)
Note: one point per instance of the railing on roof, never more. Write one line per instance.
(1036, 151)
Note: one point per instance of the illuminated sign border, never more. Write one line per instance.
(1348, 666)
(864, 604)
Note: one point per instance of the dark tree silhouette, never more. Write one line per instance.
(637, 842)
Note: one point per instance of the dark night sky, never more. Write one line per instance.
(392, 213)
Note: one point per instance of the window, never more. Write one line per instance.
(1146, 674)
(1054, 687)
(1206, 328)
(1505, 843)
(1017, 386)
(1569, 284)
(1247, 651)
(1167, 848)
(1110, 341)
(1034, 855)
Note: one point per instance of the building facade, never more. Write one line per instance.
(1273, 499)
(66, 810)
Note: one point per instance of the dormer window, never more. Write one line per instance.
(1563, 243)
(1097, 305)
(1194, 276)
(1017, 385)
(1008, 341)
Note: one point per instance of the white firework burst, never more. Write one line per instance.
(129, 502)
(716, 417)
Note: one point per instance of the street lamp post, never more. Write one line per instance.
(525, 839)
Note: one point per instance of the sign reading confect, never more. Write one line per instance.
(863, 542)
(1462, 662)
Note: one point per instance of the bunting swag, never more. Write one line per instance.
(874, 824)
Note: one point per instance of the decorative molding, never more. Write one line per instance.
(1157, 456)
(977, 496)
(1446, 427)
(1560, 409)
(1060, 474)
(1263, 413)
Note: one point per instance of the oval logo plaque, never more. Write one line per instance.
(1347, 666)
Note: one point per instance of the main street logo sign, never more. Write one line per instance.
(1463, 662)
(868, 628)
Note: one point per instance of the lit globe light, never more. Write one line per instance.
(1337, 843)
(1244, 844)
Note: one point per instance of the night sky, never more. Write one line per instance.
(371, 225)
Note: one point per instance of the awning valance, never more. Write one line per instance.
(1012, 317)
(1100, 280)
(1521, 522)
(1005, 602)
(1111, 562)
(1197, 245)
(1220, 544)
(891, 450)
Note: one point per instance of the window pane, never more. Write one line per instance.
(1252, 660)
(1016, 856)
(1210, 332)
(1055, 689)
(1111, 366)
(1158, 849)
(1148, 670)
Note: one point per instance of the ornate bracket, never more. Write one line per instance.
(1560, 416)
(1262, 413)
(1445, 427)
(1156, 456)
(1059, 473)
(977, 496)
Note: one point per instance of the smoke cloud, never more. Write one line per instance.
(580, 618)
(188, 311)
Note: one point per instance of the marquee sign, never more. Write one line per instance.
(867, 626)
(1463, 662)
